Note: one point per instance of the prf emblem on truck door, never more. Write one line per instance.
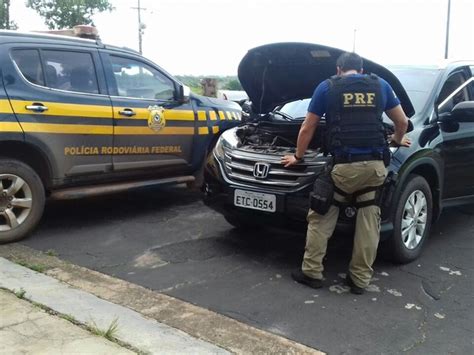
(156, 117)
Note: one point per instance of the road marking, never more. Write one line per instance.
(395, 292)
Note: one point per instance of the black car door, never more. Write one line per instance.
(457, 148)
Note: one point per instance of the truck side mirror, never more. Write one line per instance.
(183, 93)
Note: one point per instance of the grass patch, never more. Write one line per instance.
(20, 293)
(43, 307)
(69, 318)
(35, 267)
(51, 252)
(108, 333)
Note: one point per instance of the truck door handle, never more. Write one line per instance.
(36, 107)
(127, 112)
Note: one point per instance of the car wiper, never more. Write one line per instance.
(284, 115)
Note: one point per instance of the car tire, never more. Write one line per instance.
(412, 220)
(22, 199)
(241, 222)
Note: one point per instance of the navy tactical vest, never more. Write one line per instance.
(355, 128)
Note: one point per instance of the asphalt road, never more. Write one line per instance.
(167, 240)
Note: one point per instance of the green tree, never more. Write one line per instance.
(60, 14)
(233, 84)
(5, 22)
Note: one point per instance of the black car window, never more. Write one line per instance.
(451, 84)
(71, 71)
(29, 63)
(139, 80)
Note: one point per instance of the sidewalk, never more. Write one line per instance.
(27, 329)
(68, 309)
(36, 331)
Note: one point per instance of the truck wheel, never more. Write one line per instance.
(412, 220)
(22, 199)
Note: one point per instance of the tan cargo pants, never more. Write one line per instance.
(349, 177)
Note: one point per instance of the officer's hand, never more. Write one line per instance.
(289, 160)
(406, 142)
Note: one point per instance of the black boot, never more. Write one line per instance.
(300, 277)
(356, 290)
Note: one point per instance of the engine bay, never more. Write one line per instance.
(275, 137)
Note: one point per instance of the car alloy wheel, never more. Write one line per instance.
(414, 219)
(412, 214)
(16, 200)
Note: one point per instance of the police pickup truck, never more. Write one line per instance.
(80, 118)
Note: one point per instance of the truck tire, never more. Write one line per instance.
(22, 199)
(412, 220)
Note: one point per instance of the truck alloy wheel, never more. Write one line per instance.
(22, 200)
(15, 201)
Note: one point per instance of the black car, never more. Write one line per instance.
(245, 181)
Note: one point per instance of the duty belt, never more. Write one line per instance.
(352, 158)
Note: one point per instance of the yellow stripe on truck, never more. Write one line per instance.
(10, 127)
(97, 129)
(147, 131)
(5, 107)
(179, 115)
(143, 114)
(90, 111)
(66, 128)
(202, 116)
(61, 109)
(203, 130)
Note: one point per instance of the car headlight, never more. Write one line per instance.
(229, 140)
(219, 148)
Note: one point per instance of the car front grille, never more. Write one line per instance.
(239, 166)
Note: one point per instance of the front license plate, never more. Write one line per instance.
(255, 200)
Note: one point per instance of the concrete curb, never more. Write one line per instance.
(144, 334)
(200, 323)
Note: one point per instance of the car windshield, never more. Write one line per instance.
(296, 109)
(418, 83)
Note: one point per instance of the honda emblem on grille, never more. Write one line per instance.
(260, 170)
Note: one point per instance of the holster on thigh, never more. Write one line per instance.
(321, 197)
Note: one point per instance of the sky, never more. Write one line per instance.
(210, 37)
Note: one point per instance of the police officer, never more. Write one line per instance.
(355, 137)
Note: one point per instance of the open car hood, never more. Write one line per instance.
(277, 73)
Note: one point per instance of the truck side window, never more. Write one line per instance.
(29, 64)
(139, 80)
(71, 71)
